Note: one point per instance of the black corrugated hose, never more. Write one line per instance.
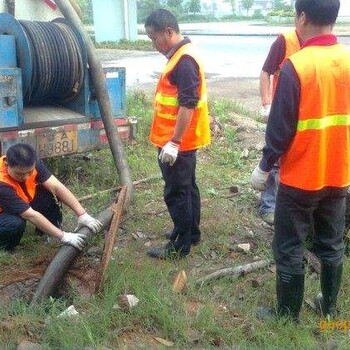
(58, 67)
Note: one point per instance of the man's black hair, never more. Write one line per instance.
(21, 155)
(161, 19)
(318, 12)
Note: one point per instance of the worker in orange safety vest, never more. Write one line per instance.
(309, 131)
(285, 45)
(28, 191)
(179, 128)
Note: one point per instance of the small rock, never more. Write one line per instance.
(244, 247)
(148, 244)
(127, 301)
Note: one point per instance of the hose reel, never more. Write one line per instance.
(52, 57)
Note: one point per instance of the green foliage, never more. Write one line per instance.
(222, 313)
(145, 7)
(192, 6)
(123, 44)
(247, 4)
(86, 8)
(279, 4)
(258, 14)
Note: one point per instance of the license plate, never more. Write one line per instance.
(55, 143)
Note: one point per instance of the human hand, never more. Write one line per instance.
(259, 178)
(87, 220)
(265, 112)
(169, 153)
(77, 240)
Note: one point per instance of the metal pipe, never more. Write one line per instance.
(62, 261)
(98, 80)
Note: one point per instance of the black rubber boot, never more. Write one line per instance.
(330, 284)
(290, 294)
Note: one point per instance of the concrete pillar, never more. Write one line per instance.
(114, 20)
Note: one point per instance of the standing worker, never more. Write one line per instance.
(309, 131)
(180, 126)
(285, 45)
(27, 192)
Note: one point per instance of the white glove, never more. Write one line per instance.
(77, 240)
(87, 220)
(169, 153)
(259, 179)
(265, 112)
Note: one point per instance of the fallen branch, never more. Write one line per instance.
(111, 237)
(237, 271)
(113, 189)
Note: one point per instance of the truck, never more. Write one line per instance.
(47, 97)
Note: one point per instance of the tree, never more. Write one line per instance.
(233, 5)
(247, 4)
(279, 4)
(175, 6)
(193, 6)
(145, 7)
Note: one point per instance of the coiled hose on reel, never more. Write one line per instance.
(58, 64)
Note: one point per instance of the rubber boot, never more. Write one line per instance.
(330, 284)
(290, 294)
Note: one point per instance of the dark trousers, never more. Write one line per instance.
(181, 195)
(297, 213)
(13, 226)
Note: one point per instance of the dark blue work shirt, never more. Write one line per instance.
(185, 76)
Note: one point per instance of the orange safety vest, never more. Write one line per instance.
(166, 108)
(292, 45)
(30, 183)
(319, 155)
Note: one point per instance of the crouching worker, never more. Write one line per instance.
(28, 191)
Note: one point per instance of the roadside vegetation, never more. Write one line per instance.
(216, 314)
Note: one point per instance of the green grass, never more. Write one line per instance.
(221, 313)
(123, 44)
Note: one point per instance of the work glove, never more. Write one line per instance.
(259, 179)
(77, 240)
(265, 112)
(169, 153)
(87, 220)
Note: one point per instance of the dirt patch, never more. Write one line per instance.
(21, 282)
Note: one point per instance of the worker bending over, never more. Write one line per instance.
(28, 191)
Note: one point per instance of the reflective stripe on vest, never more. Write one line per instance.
(166, 108)
(324, 122)
(319, 155)
(30, 183)
(292, 45)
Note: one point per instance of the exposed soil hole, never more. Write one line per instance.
(21, 283)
